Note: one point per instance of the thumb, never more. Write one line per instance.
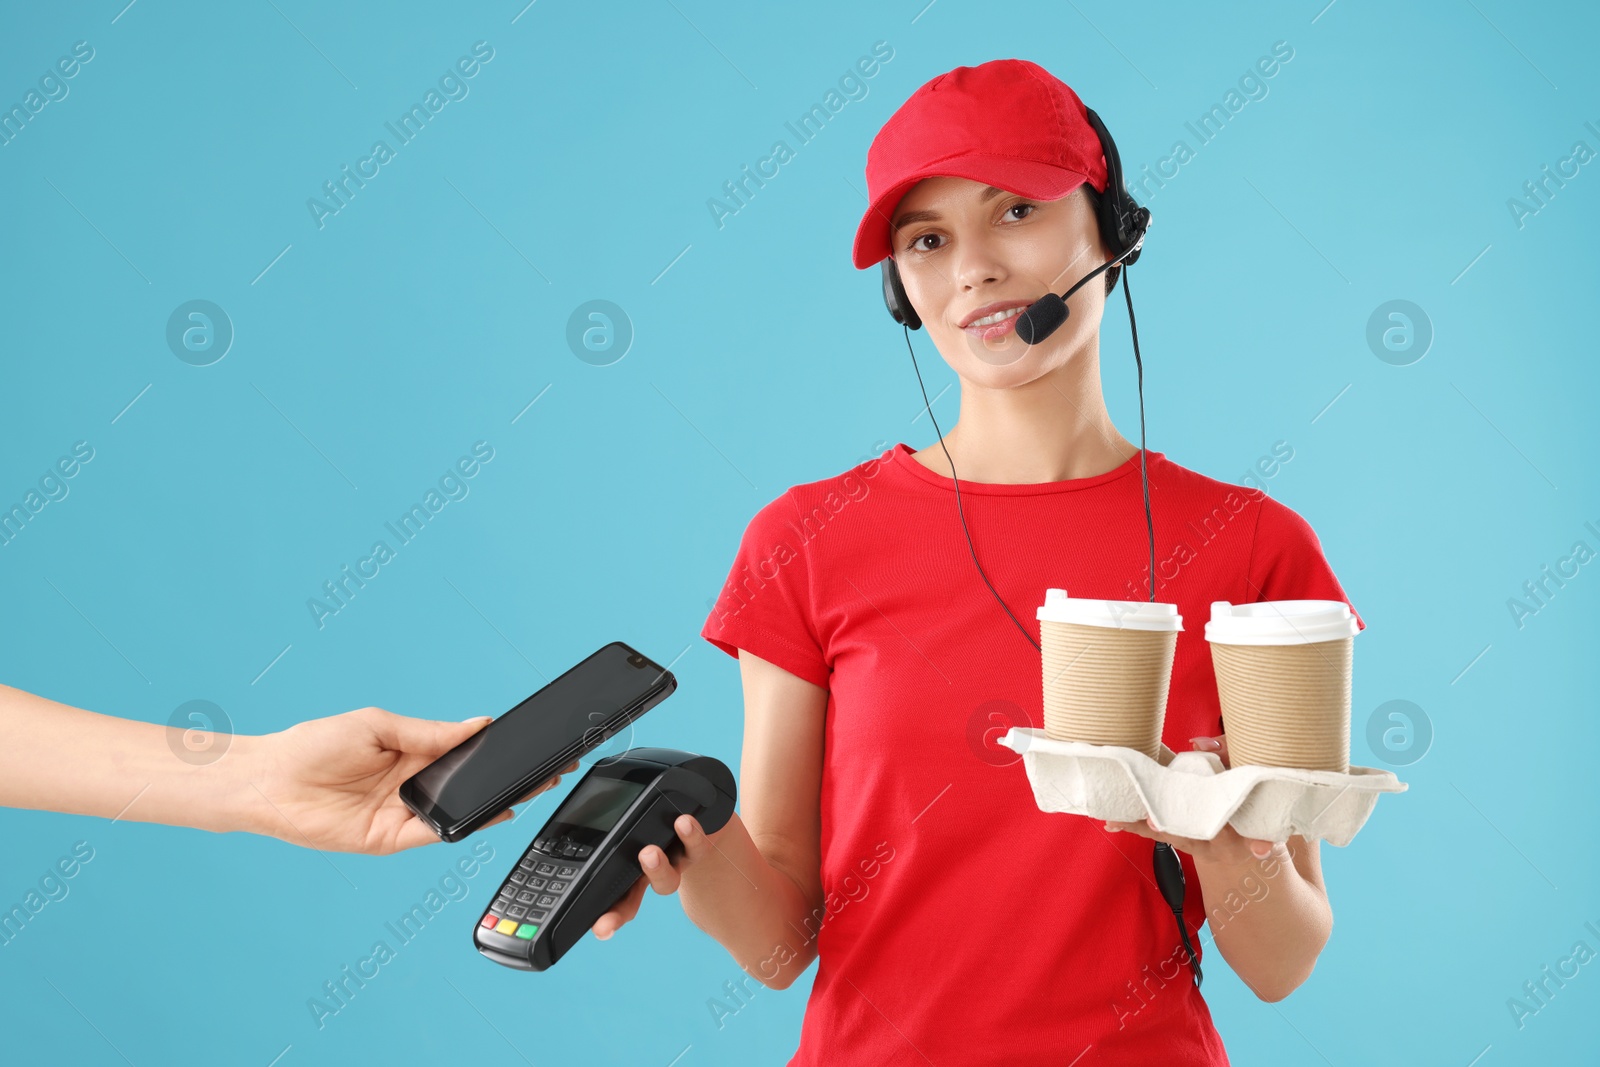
(423, 737)
(696, 845)
(1217, 745)
(665, 874)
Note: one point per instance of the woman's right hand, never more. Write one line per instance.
(663, 873)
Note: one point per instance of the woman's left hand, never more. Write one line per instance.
(1229, 848)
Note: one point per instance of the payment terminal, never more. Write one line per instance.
(587, 855)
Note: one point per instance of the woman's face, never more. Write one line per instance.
(963, 247)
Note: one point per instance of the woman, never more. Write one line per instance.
(881, 831)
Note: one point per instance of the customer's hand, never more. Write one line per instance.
(662, 873)
(333, 783)
(1229, 847)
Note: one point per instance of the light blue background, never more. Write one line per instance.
(431, 310)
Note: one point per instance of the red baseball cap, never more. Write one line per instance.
(1008, 123)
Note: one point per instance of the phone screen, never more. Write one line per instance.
(579, 703)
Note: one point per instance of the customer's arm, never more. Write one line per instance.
(756, 885)
(328, 783)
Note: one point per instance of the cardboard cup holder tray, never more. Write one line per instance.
(1191, 794)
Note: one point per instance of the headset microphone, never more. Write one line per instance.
(1046, 314)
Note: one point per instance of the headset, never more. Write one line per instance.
(1122, 226)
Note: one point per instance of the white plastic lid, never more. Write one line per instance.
(1280, 622)
(1121, 614)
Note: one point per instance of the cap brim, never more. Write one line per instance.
(1022, 177)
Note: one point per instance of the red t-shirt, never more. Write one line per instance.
(963, 925)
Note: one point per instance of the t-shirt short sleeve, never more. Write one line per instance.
(765, 606)
(1286, 560)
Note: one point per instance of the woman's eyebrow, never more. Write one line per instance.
(910, 217)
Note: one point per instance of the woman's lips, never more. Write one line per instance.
(995, 331)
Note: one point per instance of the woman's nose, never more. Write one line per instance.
(977, 264)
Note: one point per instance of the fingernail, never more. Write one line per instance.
(1206, 744)
(651, 860)
(603, 937)
(479, 718)
(1113, 829)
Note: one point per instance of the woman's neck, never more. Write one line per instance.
(1054, 428)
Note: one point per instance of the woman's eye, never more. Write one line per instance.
(916, 244)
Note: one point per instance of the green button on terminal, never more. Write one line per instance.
(526, 931)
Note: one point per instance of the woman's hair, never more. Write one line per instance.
(1093, 197)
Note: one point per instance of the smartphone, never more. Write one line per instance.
(500, 764)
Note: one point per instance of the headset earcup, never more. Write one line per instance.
(1120, 216)
(1110, 230)
(894, 297)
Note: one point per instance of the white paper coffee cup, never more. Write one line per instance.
(1107, 667)
(1283, 679)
